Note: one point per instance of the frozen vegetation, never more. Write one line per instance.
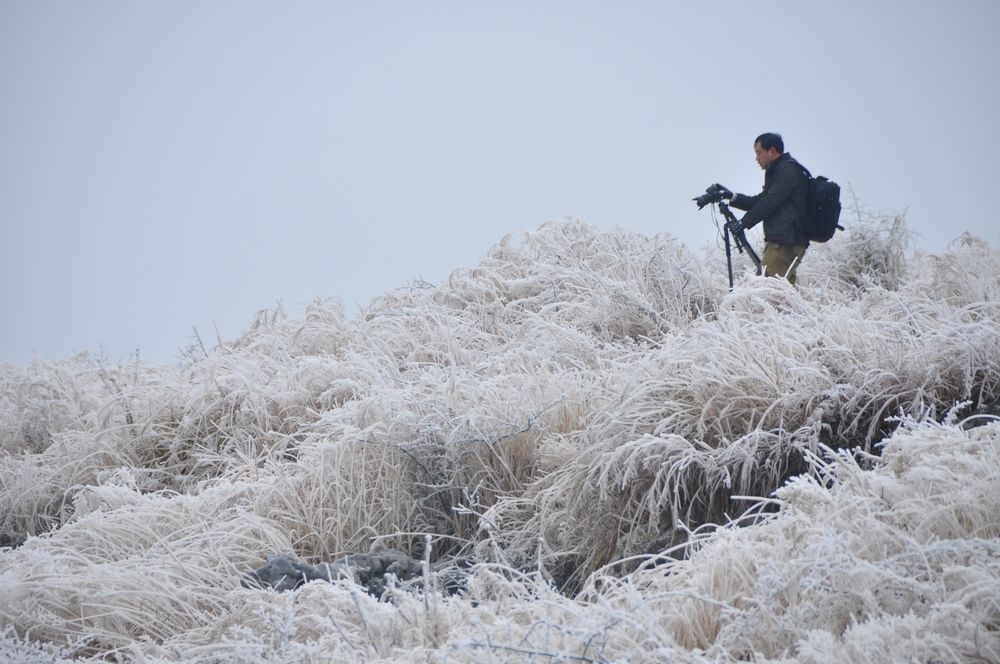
(585, 449)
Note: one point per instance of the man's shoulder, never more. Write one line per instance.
(788, 163)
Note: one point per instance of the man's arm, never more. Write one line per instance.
(767, 202)
(743, 202)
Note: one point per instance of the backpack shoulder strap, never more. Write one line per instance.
(802, 168)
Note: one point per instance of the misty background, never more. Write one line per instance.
(172, 165)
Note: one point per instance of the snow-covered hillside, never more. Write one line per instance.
(590, 449)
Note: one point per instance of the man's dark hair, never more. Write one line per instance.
(771, 140)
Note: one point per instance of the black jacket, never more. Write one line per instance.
(781, 204)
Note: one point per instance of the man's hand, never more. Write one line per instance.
(724, 192)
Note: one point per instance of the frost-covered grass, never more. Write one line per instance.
(638, 465)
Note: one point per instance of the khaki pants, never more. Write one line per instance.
(781, 260)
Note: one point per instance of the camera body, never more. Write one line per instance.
(715, 193)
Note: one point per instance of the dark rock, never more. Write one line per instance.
(984, 414)
(281, 572)
(375, 572)
(10, 540)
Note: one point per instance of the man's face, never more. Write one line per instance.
(765, 157)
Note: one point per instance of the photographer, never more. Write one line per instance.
(780, 205)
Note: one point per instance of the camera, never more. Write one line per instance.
(714, 194)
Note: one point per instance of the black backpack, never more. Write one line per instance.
(822, 209)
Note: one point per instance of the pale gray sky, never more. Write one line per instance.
(165, 165)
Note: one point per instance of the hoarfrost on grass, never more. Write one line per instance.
(634, 463)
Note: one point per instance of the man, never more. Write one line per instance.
(780, 206)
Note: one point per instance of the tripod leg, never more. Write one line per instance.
(729, 255)
(740, 237)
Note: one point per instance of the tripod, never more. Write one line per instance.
(732, 227)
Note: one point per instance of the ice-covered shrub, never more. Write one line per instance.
(870, 252)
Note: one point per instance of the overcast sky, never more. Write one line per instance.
(170, 165)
